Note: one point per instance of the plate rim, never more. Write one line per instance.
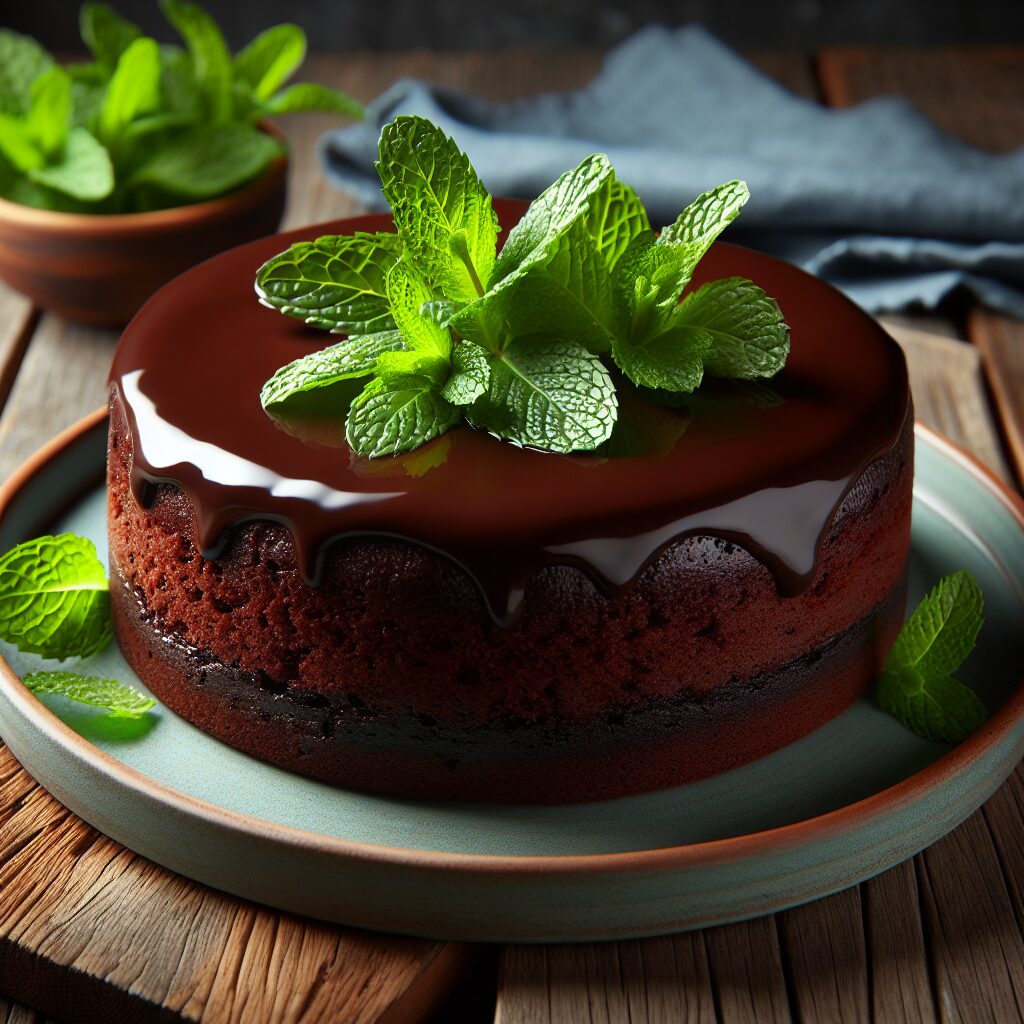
(858, 814)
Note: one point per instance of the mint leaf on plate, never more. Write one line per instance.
(706, 217)
(337, 282)
(749, 338)
(672, 360)
(54, 597)
(408, 294)
(548, 393)
(616, 216)
(398, 413)
(917, 686)
(119, 699)
(470, 375)
(265, 64)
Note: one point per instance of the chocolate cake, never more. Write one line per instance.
(492, 623)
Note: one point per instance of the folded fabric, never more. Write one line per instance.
(873, 198)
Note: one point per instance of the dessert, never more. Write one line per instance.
(508, 625)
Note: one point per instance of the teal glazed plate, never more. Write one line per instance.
(851, 799)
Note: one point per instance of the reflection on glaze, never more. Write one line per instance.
(765, 475)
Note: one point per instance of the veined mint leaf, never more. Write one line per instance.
(308, 97)
(706, 217)
(434, 193)
(398, 414)
(471, 373)
(615, 218)
(211, 59)
(22, 61)
(440, 311)
(50, 110)
(17, 144)
(83, 172)
(337, 282)
(106, 34)
(207, 161)
(749, 338)
(353, 357)
(271, 59)
(54, 597)
(407, 294)
(672, 360)
(917, 686)
(942, 631)
(119, 699)
(134, 89)
(549, 394)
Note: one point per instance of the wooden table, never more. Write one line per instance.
(91, 932)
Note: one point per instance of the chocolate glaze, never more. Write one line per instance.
(190, 366)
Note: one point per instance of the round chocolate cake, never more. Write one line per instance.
(478, 621)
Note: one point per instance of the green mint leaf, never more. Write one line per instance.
(308, 97)
(134, 89)
(50, 110)
(470, 376)
(353, 357)
(179, 90)
(206, 161)
(106, 34)
(549, 394)
(440, 311)
(407, 294)
(672, 360)
(749, 338)
(434, 193)
(17, 144)
(706, 217)
(270, 59)
(398, 414)
(942, 631)
(615, 218)
(119, 699)
(84, 170)
(54, 597)
(211, 59)
(337, 282)
(22, 61)
(938, 708)
(917, 686)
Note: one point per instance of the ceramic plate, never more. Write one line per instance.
(844, 803)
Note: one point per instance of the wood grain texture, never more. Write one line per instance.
(17, 319)
(747, 972)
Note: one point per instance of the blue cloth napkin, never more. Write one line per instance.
(873, 198)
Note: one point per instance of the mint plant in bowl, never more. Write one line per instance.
(119, 173)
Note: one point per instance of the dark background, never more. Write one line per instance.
(478, 24)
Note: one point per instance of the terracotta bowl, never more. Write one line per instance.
(99, 269)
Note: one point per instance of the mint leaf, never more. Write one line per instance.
(271, 59)
(547, 393)
(407, 294)
(615, 218)
(211, 60)
(942, 631)
(119, 699)
(397, 415)
(106, 34)
(50, 110)
(17, 144)
(672, 360)
(309, 97)
(470, 375)
(748, 335)
(84, 170)
(706, 218)
(134, 89)
(54, 598)
(434, 193)
(207, 161)
(336, 282)
(22, 61)
(917, 686)
(354, 357)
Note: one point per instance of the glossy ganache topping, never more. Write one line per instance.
(765, 468)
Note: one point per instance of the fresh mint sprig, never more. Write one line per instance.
(519, 341)
(144, 126)
(55, 602)
(917, 685)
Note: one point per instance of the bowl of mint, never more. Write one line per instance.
(118, 173)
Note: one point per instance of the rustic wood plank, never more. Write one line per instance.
(973, 932)
(1004, 814)
(15, 1013)
(746, 971)
(900, 986)
(17, 319)
(1001, 341)
(824, 946)
(86, 935)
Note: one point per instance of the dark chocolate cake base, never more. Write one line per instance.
(632, 747)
